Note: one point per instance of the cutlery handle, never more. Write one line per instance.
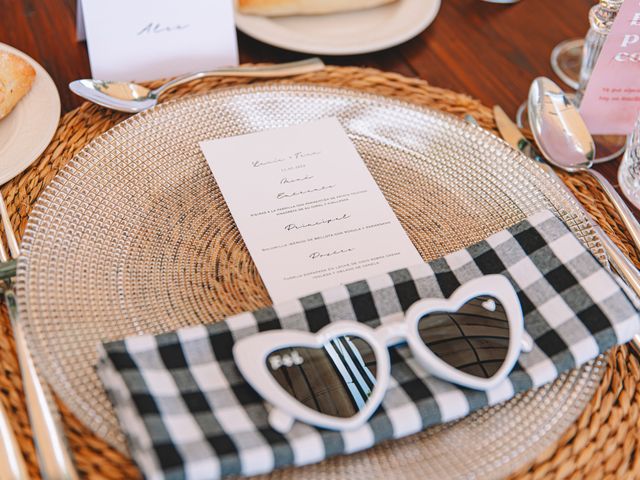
(623, 266)
(8, 270)
(526, 147)
(627, 216)
(53, 454)
(269, 71)
(12, 466)
(619, 261)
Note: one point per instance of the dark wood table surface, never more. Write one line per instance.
(487, 50)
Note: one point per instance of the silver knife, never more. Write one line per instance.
(513, 136)
(619, 261)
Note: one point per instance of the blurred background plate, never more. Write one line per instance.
(347, 33)
(133, 236)
(28, 129)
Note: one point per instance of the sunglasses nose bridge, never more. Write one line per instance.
(392, 333)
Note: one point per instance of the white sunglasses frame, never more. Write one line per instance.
(251, 353)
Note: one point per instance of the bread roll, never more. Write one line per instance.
(16, 78)
(274, 8)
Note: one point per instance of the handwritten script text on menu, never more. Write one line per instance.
(307, 207)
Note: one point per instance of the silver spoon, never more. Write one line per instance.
(133, 98)
(565, 141)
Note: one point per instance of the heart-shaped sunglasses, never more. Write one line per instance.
(337, 377)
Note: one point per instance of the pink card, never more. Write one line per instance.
(612, 100)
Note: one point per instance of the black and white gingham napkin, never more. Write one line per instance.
(188, 413)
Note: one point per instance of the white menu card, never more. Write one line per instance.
(307, 207)
(152, 39)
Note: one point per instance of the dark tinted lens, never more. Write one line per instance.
(475, 339)
(336, 380)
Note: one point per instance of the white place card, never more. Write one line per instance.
(307, 207)
(151, 39)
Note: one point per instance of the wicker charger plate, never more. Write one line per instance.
(608, 425)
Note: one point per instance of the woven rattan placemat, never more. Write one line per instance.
(603, 443)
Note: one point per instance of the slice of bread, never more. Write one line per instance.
(16, 78)
(274, 8)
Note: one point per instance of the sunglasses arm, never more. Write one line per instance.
(280, 421)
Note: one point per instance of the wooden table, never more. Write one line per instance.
(489, 51)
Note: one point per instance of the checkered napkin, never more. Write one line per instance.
(188, 413)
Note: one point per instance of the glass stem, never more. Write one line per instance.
(629, 172)
(601, 17)
(632, 155)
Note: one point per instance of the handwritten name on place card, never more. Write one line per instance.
(307, 207)
(152, 39)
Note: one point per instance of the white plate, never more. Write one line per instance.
(28, 129)
(346, 33)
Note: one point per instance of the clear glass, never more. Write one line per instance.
(566, 60)
(629, 171)
(573, 60)
(601, 17)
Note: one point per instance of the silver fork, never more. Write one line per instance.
(53, 453)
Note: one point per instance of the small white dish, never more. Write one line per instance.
(28, 129)
(348, 33)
